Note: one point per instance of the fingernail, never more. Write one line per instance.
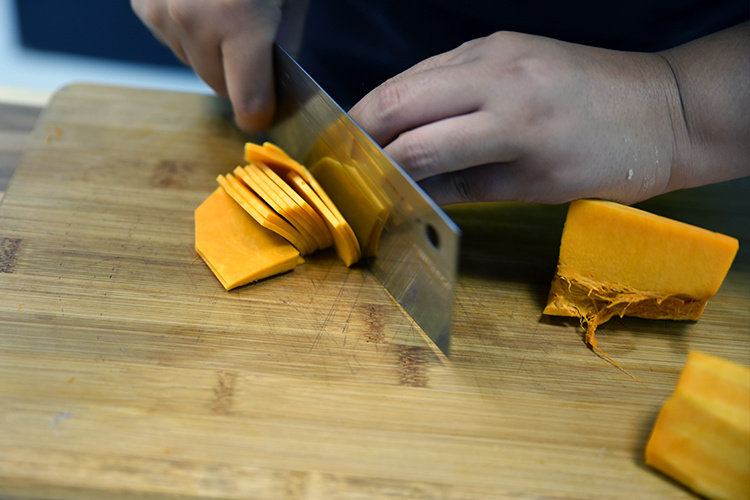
(254, 122)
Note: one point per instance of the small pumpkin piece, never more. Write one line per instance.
(344, 239)
(702, 434)
(262, 213)
(358, 204)
(235, 247)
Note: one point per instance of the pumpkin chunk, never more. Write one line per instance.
(619, 260)
(702, 434)
(235, 247)
(357, 202)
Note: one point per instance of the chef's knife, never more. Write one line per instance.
(418, 250)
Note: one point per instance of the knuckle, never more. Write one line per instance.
(390, 99)
(503, 37)
(417, 155)
(150, 12)
(181, 13)
(233, 9)
(237, 16)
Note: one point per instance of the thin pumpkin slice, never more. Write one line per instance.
(280, 162)
(322, 230)
(283, 164)
(235, 247)
(380, 203)
(251, 180)
(344, 239)
(273, 148)
(275, 157)
(262, 213)
(287, 163)
(358, 204)
(291, 210)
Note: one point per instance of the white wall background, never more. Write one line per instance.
(30, 76)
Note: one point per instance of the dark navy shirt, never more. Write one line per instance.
(351, 46)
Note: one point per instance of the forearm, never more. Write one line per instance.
(710, 108)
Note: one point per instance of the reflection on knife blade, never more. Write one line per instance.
(418, 247)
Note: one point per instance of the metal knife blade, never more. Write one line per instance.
(418, 250)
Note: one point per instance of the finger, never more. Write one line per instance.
(416, 98)
(495, 182)
(155, 17)
(514, 181)
(148, 11)
(463, 54)
(249, 82)
(174, 43)
(207, 61)
(453, 144)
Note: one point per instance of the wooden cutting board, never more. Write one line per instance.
(126, 369)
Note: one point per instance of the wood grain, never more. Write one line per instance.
(126, 370)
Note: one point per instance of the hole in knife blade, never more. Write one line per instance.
(433, 236)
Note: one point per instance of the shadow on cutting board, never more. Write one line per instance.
(519, 242)
(508, 241)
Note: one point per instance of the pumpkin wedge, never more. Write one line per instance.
(619, 260)
(702, 434)
(235, 247)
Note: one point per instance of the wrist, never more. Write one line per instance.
(708, 102)
(676, 112)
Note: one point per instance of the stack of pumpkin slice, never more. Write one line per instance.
(363, 208)
(267, 214)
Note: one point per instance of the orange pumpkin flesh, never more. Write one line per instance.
(358, 204)
(346, 243)
(236, 248)
(619, 260)
(702, 434)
